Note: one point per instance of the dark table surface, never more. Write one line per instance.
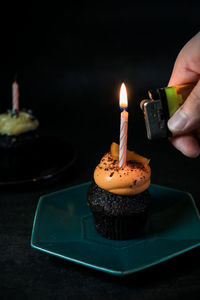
(70, 63)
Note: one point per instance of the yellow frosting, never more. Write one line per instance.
(17, 125)
(133, 179)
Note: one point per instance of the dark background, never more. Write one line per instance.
(71, 61)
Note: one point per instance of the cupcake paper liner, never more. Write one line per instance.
(120, 228)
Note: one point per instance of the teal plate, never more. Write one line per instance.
(63, 226)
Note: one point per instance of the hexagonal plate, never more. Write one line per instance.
(63, 226)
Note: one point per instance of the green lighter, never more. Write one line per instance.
(163, 103)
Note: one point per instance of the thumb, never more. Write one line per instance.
(187, 117)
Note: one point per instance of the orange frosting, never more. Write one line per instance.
(133, 179)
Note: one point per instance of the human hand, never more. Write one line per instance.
(186, 120)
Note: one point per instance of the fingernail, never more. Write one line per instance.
(178, 121)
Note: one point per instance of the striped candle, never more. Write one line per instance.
(15, 96)
(123, 127)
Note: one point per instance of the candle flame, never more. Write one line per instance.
(123, 99)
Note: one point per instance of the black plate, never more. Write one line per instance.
(48, 158)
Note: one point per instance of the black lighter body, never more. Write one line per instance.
(163, 103)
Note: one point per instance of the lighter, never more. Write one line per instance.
(163, 103)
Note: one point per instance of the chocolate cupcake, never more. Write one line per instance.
(18, 129)
(119, 197)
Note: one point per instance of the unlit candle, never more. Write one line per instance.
(15, 96)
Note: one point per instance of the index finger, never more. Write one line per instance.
(187, 65)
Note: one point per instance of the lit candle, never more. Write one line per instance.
(15, 96)
(123, 102)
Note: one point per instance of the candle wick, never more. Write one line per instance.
(15, 78)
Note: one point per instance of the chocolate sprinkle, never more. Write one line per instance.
(111, 174)
(110, 164)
